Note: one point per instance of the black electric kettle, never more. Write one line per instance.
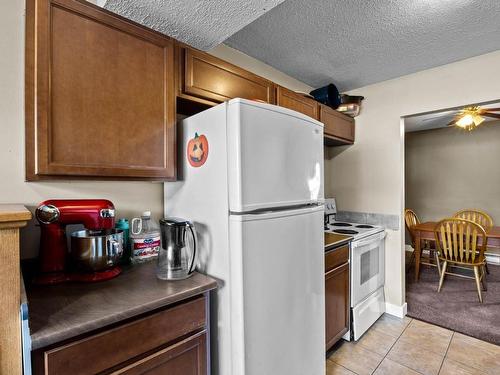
(177, 256)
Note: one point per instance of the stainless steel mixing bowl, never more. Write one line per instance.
(96, 250)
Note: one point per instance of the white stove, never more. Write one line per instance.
(356, 230)
(367, 266)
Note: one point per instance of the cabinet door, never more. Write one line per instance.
(188, 357)
(289, 99)
(337, 125)
(336, 304)
(100, 97)
(207, 77)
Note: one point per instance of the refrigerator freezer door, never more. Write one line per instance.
(277, 294)
(275, 157)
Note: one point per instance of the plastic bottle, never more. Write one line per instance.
(123, 225)
(145, 238)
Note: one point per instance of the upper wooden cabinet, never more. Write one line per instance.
(290, 99)
(100, 98)
(339, 128)
(101, 94)
(205, 77)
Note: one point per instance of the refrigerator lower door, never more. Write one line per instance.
(277, 294)
(275, 157)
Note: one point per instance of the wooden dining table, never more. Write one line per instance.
(425, 231)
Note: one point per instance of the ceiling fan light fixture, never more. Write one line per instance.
(465, 121)
(477, 119)
(469, 118)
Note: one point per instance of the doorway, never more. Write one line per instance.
(449, 168)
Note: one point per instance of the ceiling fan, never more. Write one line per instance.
(470, 117)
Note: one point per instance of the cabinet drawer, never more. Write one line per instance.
(337, 124)
(291, 100)
(336, 257)
(188, 357)
(210, 78)
(107, 349)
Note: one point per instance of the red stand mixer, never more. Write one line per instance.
(94, 252)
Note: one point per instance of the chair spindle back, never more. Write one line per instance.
(411, 219)
(460, 240)
(477, 216)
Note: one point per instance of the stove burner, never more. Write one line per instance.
(345, 231)
(342, 224)
(365, 226)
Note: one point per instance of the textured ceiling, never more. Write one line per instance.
(200, 23)
(353, 43)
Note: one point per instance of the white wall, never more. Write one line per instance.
(130, 198)
(368, 176)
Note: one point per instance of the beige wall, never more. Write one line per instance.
(130, 198)
(369, 176)
(450, 169)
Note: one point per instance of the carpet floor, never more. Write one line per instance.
(457, 306)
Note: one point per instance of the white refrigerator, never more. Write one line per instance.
(251, 181)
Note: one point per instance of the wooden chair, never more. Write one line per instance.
(462, 242)
(478, 217)
(411, 219)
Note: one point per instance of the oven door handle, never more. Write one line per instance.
(380, 237)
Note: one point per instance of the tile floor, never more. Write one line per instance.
(408, 346)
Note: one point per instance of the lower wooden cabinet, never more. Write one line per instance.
(336, 297)
(291, 100)
(172, 341)
(339, 128)
(187, 357)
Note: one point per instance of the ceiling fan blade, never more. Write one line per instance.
(483, 110)
(451, 123)
(488, 114)
(431, 118)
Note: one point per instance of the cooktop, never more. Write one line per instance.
(356, 230)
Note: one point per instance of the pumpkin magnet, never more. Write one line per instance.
(197, 150)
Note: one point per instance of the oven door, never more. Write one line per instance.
(368, 266)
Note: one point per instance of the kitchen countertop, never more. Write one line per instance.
(60, 312)
(334, 240)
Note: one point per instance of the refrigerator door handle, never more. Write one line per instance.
(276, 213)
